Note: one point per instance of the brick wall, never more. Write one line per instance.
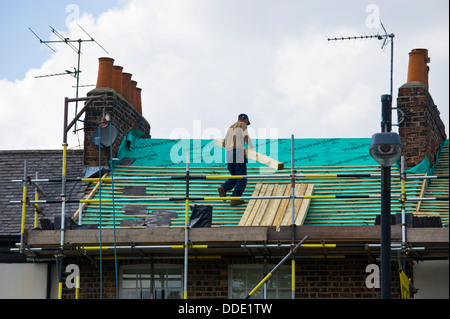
(343, 278)
(315, 278)
(123, 116)
(422, 131)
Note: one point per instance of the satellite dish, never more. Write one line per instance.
(105, 135)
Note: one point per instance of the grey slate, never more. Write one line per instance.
(49, 165)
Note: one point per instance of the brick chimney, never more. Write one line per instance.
(422, 132)
(125, 111)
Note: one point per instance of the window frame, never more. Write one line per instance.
(263, 292)
(148, 266)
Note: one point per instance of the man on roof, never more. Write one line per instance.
(235, 140)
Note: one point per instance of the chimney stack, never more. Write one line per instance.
(422, 131)
(417, 67)
(123, 106)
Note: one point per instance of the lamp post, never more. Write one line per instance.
(386, 148)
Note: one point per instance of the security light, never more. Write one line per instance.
(386, 148)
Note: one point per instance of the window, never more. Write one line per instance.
(143, 282)
(243, 278)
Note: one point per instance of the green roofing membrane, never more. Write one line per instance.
(307, 152)
(166, 157)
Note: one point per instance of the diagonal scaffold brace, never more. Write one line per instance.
(276, 267)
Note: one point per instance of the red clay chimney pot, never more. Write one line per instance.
(417, 67)
(126, 85)
(117, 79)
(105, 72)
(138, 100)
(133, 93)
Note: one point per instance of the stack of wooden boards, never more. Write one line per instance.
(276, 212)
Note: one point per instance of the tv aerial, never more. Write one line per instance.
(67, 72)
(77, 49)
(386, 38)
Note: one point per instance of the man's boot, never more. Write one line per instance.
(235, 202)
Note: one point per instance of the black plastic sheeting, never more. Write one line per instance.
(201, 216)
(413, 221)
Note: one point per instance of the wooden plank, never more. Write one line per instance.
(277, 211)
(287, 218)
(90, 196)
(231, 234)
(256, 206)
(301, 215)
(250, 205)
(282, 208)
(422, 193)
(264, 202)
(341, 234)
(260, 158)
(273, 205)
(264, 159)
(428, 235)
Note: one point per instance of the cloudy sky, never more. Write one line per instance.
(202, 62)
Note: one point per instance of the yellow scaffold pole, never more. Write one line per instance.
(36, 208)
(77, 287)
(275, 268)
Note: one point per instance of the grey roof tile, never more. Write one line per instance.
(49, 165)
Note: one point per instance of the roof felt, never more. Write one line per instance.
(321, 211)
(48, 163)
(152, 157)
(308, 151)
(156, 157)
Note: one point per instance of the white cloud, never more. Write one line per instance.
(210, 61)
(325, 86)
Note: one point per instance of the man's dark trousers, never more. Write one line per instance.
(237, 165)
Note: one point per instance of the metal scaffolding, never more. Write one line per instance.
(187, 177)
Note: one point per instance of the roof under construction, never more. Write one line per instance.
(341, 194)
(128, 203)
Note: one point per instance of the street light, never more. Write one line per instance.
(385, 148)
